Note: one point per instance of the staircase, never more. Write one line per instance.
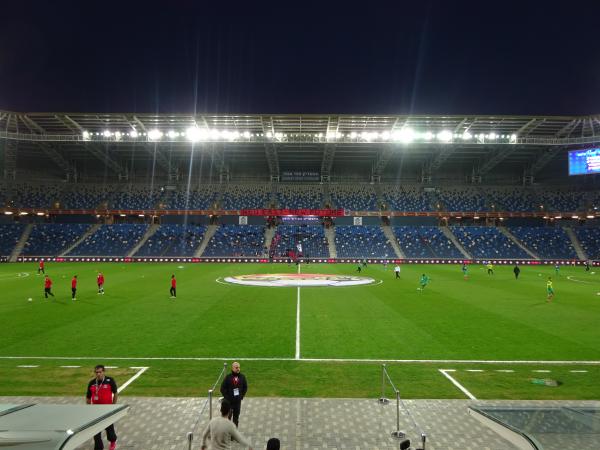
(149, 233)
(91, 230)
(457, 244)
(514, 239)
(576, 244)
(22, 240)
(330, 235)
(210, 232)
(391, 237)
(269, 235)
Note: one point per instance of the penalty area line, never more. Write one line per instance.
(132, 379)
(456, 383)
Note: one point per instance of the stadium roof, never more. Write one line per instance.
(273, 143)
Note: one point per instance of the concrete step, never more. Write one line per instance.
(210, 232)
(505, 231)
(21, 243)
(576, 244)
(330, 235)
(457, 244)
(147, 235)
(391, 237)
(91, 230)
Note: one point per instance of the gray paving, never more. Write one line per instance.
(308, 423)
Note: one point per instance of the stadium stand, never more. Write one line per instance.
(589, 238)
(487, 242)
(111, 240)
(23, 195)
(353, 241)
(9, 237)
(251, 196)
(134, 198)
(463, 199)
(173, 240)
(296, 196)
(312, 238)
(200, 198)
(354, 197)
(83, 197)
(546, 242)
(560, 200)
(425, 242)
(512, 199)
(399, 198)
(237, 240)
(50, 239)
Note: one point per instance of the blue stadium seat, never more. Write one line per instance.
(589, 238)
(51, 239)
(9, 237)
(488, 242)
(237, 240)
(425, 242)
(354, 197)
(353, 241)
(312, 237)
(173, 240)
(111, 240)
(546, 242)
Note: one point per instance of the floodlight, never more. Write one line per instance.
(492, 136)
(278, 135)
(195, 134)
(8, 213)
(428, 135)
(213, 134)
(466, 136)
(118, 135)
(353, 135)
(86, 134)
(134, 134)
(574, 217)
(246, 134)
(106, 133)
(172, 134)
(444, 136)
(406, 135)
(23, 213)
(331, 136)
(590, 216)
(513, 138)
(154, 134)
(39, 213)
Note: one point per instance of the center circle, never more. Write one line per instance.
(299, 280)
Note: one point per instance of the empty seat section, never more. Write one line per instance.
(9, 237)
(546, 242)
(311, 237)
(237, 240)
(353, 241)
(111, 240)
(487, 242)
(425, 242)
(51, 239)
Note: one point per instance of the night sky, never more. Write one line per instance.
(423, 57)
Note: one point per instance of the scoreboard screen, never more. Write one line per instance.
(583, 162)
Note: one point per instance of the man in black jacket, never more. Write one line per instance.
(234, 389)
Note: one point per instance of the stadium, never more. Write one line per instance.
(375, 249)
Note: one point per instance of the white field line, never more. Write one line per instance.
(578, 371)
(505, 370)
(297, 355)
(457, 384)
(325, 360)
(541, 371)
(27, 367)
(132, 379)
(475, 370)
(70, 367)
(571, 278)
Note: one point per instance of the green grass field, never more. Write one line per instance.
(349, 331)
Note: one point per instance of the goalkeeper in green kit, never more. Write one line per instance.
(423, 281)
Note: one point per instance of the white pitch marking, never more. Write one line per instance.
(578, 371)
(70, 367)
(27, 366)
(505, 370)
(132, 379)
(332, 360)
(541, 371)
(571, 278)
(457, 384)
(297, 355)
(111, 367)
(475, 370)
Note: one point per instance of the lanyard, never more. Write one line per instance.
(98, 387)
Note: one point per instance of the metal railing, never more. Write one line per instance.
(397, 433)
(208, 402)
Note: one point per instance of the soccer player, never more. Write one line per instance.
(73, 287)
(424, 280)
(100, 281)
(358, 268)
(549, 289)
(41, 267)
(556, 269)
(465, 271)
(490, 268)
(587, 265)
(173, 289)
(517, 271)
(48, 287)
(397, 271)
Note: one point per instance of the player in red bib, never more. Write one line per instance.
(48, 287)
(41, 267)
(102, 390)
(73, 287)
(100, 281)
(173, 289)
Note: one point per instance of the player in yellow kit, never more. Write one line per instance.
(550, 289)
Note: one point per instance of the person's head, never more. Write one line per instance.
(74, 276)
(225, 408)
(46, 276)
(173, 276)
(273, 444)
(549, 278)
(99, 372)
(235, 367)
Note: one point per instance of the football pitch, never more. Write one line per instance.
(491, 335)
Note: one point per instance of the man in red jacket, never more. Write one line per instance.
(100, 281)
(48, 287)
(173, 289)
(73, 287)
(102, 390)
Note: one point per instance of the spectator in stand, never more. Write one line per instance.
(220, 431)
